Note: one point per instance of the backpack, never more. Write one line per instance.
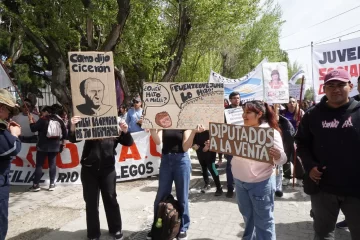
(168, 211)
(54, 128)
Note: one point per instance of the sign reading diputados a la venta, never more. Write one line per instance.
(248, 142)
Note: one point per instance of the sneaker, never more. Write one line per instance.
(52, 187)
(342, 225)
(218, 192)
(279, 193)
(149, 236)
(286, 182)
(299, 182)
(34, 188)
(205, 188)
(230, 194)
(182, 236)
(119, 236)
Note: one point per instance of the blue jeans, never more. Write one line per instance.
(229, 175)
(4, 204)
(256, 204)
(175, 168)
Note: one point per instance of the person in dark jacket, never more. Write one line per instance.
(47, 147)
(235, 102)
(288, 133)
(98, 175)
(327, 141)
(207, 162)
(10, 146)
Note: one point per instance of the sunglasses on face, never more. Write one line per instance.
(136, 101)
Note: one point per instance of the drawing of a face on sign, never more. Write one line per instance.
(92, 90)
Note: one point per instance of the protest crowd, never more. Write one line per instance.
(267, 146)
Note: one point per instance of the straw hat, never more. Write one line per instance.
(7, 99)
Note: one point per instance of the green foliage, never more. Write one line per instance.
(309, 94)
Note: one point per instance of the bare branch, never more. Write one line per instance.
(117, 29)
(36, 41)
(178, 46)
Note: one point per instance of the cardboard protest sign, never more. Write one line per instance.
(248, 142)
(295, 85)
(276, 82)
(234, 116)
(182, 105)
(93, 94)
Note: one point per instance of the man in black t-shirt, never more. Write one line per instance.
(235, 102)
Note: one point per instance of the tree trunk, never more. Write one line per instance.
(178, 45)
(120, 74)
(58, 84)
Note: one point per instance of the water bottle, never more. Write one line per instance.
(158, 223)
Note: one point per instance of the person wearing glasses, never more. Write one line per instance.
(134, 116)
(255, 181)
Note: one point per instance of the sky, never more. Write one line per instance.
(301, 14)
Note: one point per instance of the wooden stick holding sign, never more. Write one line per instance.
(299, 117)
(248, 142)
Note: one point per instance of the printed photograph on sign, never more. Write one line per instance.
(276, 82)
(182, 105)
(93, 94)
(248, 142)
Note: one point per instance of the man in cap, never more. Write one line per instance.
(10, 146)
(134, 116)
(327, 140)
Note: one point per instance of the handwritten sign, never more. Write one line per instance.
(93, 94)
(182, 105)
(234, 116)
(248, 142)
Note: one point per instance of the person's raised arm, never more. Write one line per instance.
(156, 136)
(189, 135)
(74, 120)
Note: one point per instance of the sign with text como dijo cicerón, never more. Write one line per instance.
(93, 94)
(248, 142)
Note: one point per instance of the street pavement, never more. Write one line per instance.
(60, 214)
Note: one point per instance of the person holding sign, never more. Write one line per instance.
(235, 101)
(175, 167)
(98, 175)
(255, 181)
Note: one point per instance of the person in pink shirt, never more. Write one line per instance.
(255, 181)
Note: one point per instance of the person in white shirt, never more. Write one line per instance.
(23, 120)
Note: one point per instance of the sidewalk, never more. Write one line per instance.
(61, 215)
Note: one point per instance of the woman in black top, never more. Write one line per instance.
(98, 175)
(175, 167)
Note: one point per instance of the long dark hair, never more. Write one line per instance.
(268, 115)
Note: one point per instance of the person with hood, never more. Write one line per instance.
(10, 146)
(98, 175)
(327, 141)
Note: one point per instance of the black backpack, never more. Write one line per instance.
(168, 212)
